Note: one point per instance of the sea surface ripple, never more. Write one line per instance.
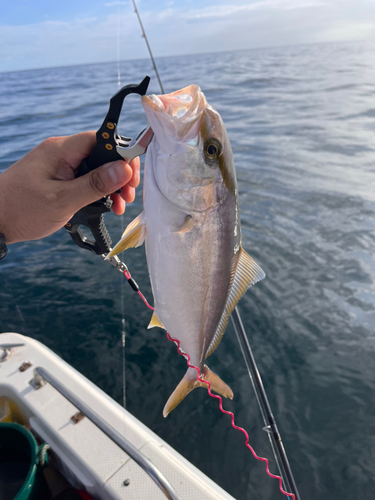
(301, 121)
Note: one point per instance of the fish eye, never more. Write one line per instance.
(213, 149)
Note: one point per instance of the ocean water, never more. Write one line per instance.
(301, 121)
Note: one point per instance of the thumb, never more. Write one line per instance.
(99, 182)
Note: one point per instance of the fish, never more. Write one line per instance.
(192, 231)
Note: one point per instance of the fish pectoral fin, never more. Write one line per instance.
(186, 226)
(246, 273)
(155, 321)
(133, 236)
(190, 381)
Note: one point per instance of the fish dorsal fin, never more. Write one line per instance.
(246, 273)
(133, 237)
(155, 321)
(186, 226)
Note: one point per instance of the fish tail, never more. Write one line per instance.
(216, 383)
(190, 382)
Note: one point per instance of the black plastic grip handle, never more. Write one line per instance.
(104, 151)
(106, 137)
(92, 218)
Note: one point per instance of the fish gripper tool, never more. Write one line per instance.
(110, 146)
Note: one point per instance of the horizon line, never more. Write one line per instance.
(179, 55)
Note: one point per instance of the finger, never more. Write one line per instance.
(128, 193)
(136, 167)
(98, 183)
(62, 155)
(119, 204)
(77, 147)
(72, 148)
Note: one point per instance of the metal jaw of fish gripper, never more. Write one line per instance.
(116, 263)
(110, 146)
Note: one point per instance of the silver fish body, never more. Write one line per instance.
(191, 228)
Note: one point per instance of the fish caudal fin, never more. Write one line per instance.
(190, 382)
(133, 237)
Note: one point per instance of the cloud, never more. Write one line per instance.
(260, 23)
(180, 29)
(230, 10)
(349, 30)
(55, 43)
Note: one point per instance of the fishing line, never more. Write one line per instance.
(123, 335)
(123, 323)
(123, 331)
(118, 49)
(135, 287)
(11, 295)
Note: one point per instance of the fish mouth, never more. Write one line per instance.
(176, 115)
(179, 104)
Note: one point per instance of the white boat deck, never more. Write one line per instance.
(89, 458)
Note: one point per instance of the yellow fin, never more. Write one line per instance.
(186, 226)
(247, 273)
(217, 384)
(155, 321)
(133, 237)
(190, 382)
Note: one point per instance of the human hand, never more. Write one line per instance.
(39, 194)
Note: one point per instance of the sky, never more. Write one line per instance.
(45, 33)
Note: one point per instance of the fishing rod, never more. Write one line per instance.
(148, 46)
(110, 146)
(265, 408)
